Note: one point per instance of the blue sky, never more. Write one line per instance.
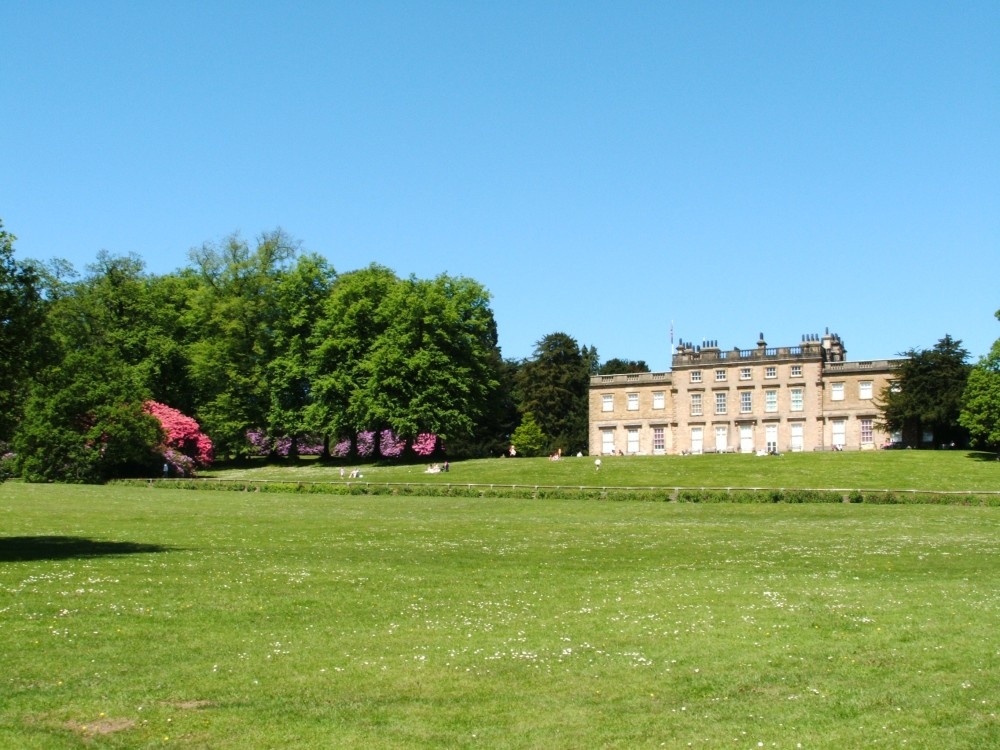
(602, 168)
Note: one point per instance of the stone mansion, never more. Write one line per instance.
(791, 398)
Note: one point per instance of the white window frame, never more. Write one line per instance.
(632, 403)
(796, 371)
(796, 399)
(866, 390)
(697, 405)
(770, 401)
(659, 400)
(867, 431)
(607, 441)
(695, 376)
(746, 402)
(632, 440)
(745, 373)
(659, 440)
(720, 375)
(608, 402)
(771, 372)
(837, 391)
(721, 402)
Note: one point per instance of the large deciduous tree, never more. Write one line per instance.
(553, 386)
(22, 317)
(981, 400)
(925, 398)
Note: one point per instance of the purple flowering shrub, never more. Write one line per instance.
(342, 449)
(262, 445)
(389, 445)
(366, 443)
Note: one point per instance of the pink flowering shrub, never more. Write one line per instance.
(366, 443)
(389, 445)
(424, 443)
(184, 445)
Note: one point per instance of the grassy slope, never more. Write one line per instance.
(312, 621)
(916, 470)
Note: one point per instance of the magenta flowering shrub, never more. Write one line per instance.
(424, 443)
(389, 445)
(260, 443)
(366, 443)
(342, 449)
(183, 439)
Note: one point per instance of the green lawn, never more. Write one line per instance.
(879, 470)
(134, 617)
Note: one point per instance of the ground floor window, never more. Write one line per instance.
(697, 440)
(771, 438)
(633, 440)
(659, 440)
(607, 442)
(721, 439)
(797, 442)
(867, 431)
(839, 432)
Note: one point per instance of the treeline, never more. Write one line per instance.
(271, 351)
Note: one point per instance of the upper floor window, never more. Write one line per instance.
(658, 400)
(836, 391)
(696, 405)
(770, 401)
(865, 390)
(720, 375)
(695, 376)
(796, 400)
(746, 402)
(633, 402)
(796, 371)
(607, 402)
(771, 372)
(720, 402)
(744, 373)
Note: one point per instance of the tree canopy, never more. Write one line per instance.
(980, 413)
(925, 398)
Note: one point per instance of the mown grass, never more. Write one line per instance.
(930, 471)
(135, 617)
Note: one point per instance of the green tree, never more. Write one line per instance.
(528, 438)
(300, 296)
(553, 386)
(84, 422)
(433, 366)
(981, 400)
(925, 397)
(22, 332)
(233, 319)
(615, 366)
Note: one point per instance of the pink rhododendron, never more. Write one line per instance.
(366, 443)
(183, 438)
(425, 443)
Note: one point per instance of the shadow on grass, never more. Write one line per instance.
(28, 548)
(983, 456)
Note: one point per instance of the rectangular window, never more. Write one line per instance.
(659, 441)
(865, 390)
(633, 440)
(836, 391)
(746, 402)
(607, 442)
(607, 402)
(697, 440)
(658, 400)
(695, 376)
(771, 438)
(867, 432)
(796, 371)
(744, 373)
(721, 439)
(839, 432)
(797, 441)
(797, 403)
(720, 376)
(770, 401)
(770, 372)
(696, 405)
(633, 402)
(720, 402)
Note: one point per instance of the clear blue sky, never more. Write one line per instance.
(603, 168)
